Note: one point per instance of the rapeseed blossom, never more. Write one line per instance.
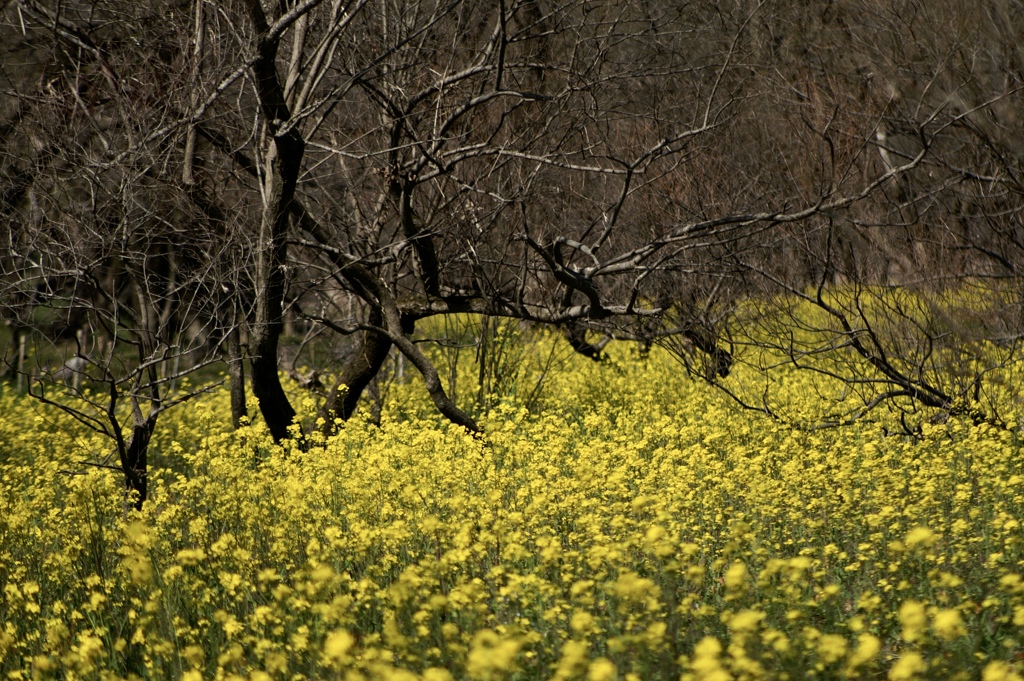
(948, 624)
(626, 524)
(910, 666)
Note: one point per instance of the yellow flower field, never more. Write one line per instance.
(632, 525)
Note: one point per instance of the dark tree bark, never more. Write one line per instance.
(576, 334)
(358, 373)
(283, 161)
(236, 376)
(134, 464)
(519, 160)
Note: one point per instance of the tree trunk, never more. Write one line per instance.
(236, 374)
(282, 163)
(133, 461)
(282, 171)
(361, 370)
(357, 375)
(9, 363)
(21, 362)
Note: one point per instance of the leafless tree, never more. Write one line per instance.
(615, 169)
(115, 277)
(910, 297)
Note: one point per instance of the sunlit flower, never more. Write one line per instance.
(948, 624)
(337, 645)
(491, 655)
(831, 648)
(909, 666)
(601, 669)
(914, 620)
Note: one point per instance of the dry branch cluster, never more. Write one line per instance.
(179, 180)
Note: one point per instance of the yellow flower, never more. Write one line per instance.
(706, 663)
(88, 649)
(601, 669)
(276, 662)
(573, 660)
(778, 640)
(868, 647)
(919, 537)
(337, 644)
(194, 655)
(736, 576)
(138, 534)
(140, 568)
(999, 671)
(908, 667)
(42, 663)
(581, 621)
(948, 625)
(831, 648)
(491, 655)
(191, 556)
(745, 621)
(914, 620)
(631, 586)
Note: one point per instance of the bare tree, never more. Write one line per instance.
(109, 271)
(617, 170)
(909, 297)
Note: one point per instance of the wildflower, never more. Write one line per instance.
(232, 655)
(140, 569)
(908, 667)
(745, 621)
(572, 661)
(632, 587)
(868, 647)
(601, 669)
(436, 674)
(194, 655)
(491, 655)
(42, 663)
(88, 649)
(191, 556)
(831, 648)
(277, 663)
(914, 620)
(268, 575)
(736, 576)
(706, 662)
(337, 644)
(139, 535)
(919, 537)
(999, 671)
(948, 625)
(776, 639)
(581, 621)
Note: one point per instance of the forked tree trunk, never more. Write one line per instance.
(358, 373)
